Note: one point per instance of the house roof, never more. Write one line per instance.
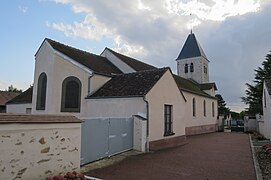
(131, 84)
(94, 62)
(190, 86)
(191, 48)
(133, 63)
(25, 97)
(24, 118)
(268, 85)
(5, 96)
(207, 86)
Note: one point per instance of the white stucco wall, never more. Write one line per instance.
(164, 92)
(199, 119)
(36, 151)
(266, 131)
(57, 68)
(198, 74)
(140, 134)
(115, 107)
(18, 108)
(117, 62)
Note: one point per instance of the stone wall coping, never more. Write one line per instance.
(30, 118)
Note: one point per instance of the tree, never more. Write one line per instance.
(13, 89)
(222, 109)
(254, 91)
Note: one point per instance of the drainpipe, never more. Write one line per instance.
(91, 75)
(147, 138)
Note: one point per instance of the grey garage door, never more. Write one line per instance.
(105, 137)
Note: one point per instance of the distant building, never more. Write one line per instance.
(5, 96)
(22, 103)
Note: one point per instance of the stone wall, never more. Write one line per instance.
(32, 150)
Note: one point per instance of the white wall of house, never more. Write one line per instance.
(25, 108)
(266, 131)
(57, 68)
(198, 75)
(117, 62)
(36, 151)
(200, 119)
(165, 91)
(116, 107)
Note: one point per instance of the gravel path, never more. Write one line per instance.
(214, 156)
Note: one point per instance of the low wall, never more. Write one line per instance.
(167, 143)
(35, 147)
(200, 129)
(140, 133)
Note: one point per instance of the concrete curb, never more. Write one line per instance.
(255, 161)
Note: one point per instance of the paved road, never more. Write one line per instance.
(214, 156)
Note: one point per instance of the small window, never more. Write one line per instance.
(191, 67)
(71, 95)
(186, 68)
(41, 92)
(168, 120)
(204, 108)
(213, 109)
(194, 107)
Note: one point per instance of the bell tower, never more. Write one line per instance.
(192, 62)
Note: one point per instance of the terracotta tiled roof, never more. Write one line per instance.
(133, 63)
(190, 86)
(23, 118)
(5, 96)
(132, 84)
(25, 97)
(268, 85)
(94, 62)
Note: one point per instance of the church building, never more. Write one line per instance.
(125, 103)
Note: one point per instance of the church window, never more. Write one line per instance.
(204, 108)
(186, 68)
(41, 92)
(71, 95)
(213, 109)
(194, 107)
(168, 129)
(191, 67)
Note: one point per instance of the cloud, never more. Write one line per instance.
(235, 34)
(23, 9)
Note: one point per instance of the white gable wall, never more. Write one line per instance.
(57, 68)
(266, 113)
(166, 92)
(22, 108)
(117, 62)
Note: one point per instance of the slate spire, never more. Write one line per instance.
(191, 48)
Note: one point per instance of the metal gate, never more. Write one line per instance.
(105, 137)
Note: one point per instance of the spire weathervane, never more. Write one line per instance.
(191, 25)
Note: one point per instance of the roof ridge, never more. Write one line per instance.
(77, 49)
(147, 70)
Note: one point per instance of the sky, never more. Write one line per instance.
(234, 34)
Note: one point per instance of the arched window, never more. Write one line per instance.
(213, 109)
(186, 68)
(204, 108)
(41, 92)
(191, 67)
(194, 107)
(71, 95)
